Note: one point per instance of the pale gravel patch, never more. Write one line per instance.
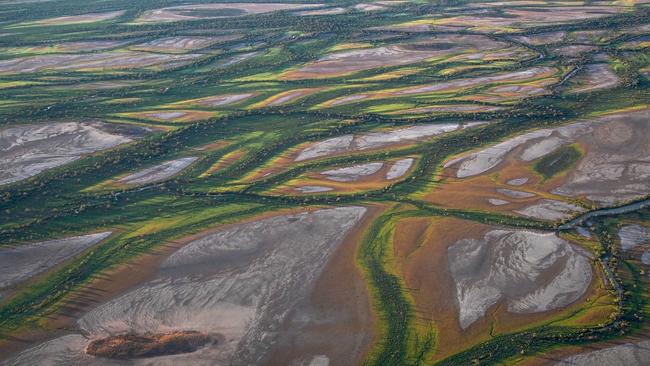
(176, 13)
(120, 59)
(326, 147)
(497, 202)
(78, 19)
(350, 98)
(372, 140)
(320, 360)
(291, 96)
(488, 158)
(542, 148)
(517, 181)
(353, 173)
(399, 168)
(631, 236)
(628, 354)
(519, 267)
(545, 143)
(514, 194)
(28, 150)
(313, 189)
(167, 116)
(616, 167)
(329, 11)
(159, 172)
(25, 261)
(183, 43)
(221, 100)
(240, 283)
(552, 210)
(542, 38)
(368, 7)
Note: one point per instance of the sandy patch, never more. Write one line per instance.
(78, 19)
(28, 150)
(373, 140)
(399, 168)
(497, 202)
(159, 172)
(487, 159)
(335, 324)
(352, 173)
(215, 11)
(329, 11)
(368, 7)
(286, 97)
(632, 236)
(94, 61)
(182, 44)
(313, 189)
(514, 194)
(532, 272)
(616, 167)
(552, 210)
(349, 179)
(176, 116)
(628, 354)
(218, 100)
(517, 181)
(542, 38)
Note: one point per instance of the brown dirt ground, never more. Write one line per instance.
(420, 247)
(474, 192)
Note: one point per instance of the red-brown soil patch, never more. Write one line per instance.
(128, 346)
(420, 253)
